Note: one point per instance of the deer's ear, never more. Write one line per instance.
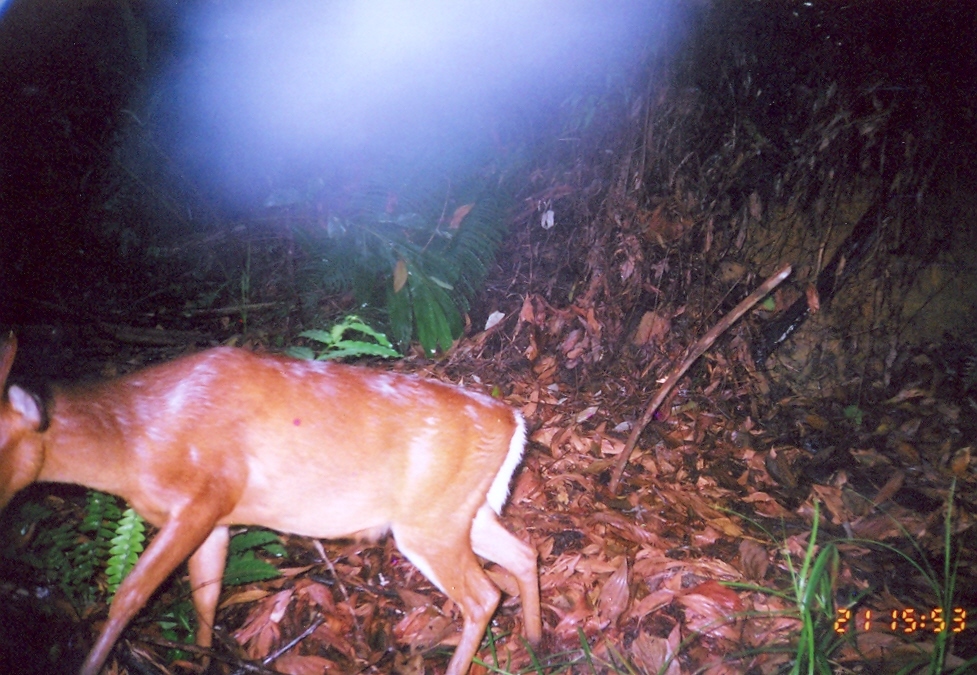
(26, 405)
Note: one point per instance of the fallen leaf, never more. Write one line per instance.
(425, 627)
(813, 299)
(754, 560)
(296, 664)
(651, 654)
(459, 215)
(400, 275)
(614, 595)
(652, 329)
(960, 462)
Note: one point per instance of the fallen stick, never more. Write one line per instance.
(698, 350)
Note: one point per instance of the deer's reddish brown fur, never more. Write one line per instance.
(226, 437)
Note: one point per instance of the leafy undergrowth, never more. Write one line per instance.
(642, 574)
(703, 563)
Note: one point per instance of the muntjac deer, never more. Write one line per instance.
(226, 437)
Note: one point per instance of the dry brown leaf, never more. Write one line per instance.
(878, 527)
(296, 664)
(318, 594)
(653, 328)
(532, 351)
(889, 490)
(650, 654)
(651, 563)
(721, 597)
(459, 215)
(412, 599)
(960, 462)
(574, 343)
(706, 537)
(907, 394)
(626, 528)
(544, 436)
(425, 627)
(586, 413)
(727, 526)
(833, 502)
(526, 313)
(400, 275)
(261, 630)
(573, 611)
(245, 596)
(713, 568)
(796, 545)
(615, 594)
(596, 566)
(813, 299)
(911, 427)
(710, 608)
(611, 447)
(754, 560)
(651, 603)
(766, 505)
(559, 571)
(291, 572)
(545, 368)
(335, 633)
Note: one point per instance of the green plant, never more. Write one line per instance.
(941, 582)
(812, 595)
(337, 345)
(424, 304)
(71, 554)
(67, 553)
(422, 251)
(127, 544)
(812, 590)
(176, 622)
(242, 565)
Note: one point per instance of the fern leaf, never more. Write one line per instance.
(125, 549)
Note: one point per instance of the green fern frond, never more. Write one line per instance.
(126, 546)
(338, 346)
(102, 514)
(242, 565)
(66, 552)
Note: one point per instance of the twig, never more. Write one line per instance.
(698, 350)
(239, 665)
(268, 660)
